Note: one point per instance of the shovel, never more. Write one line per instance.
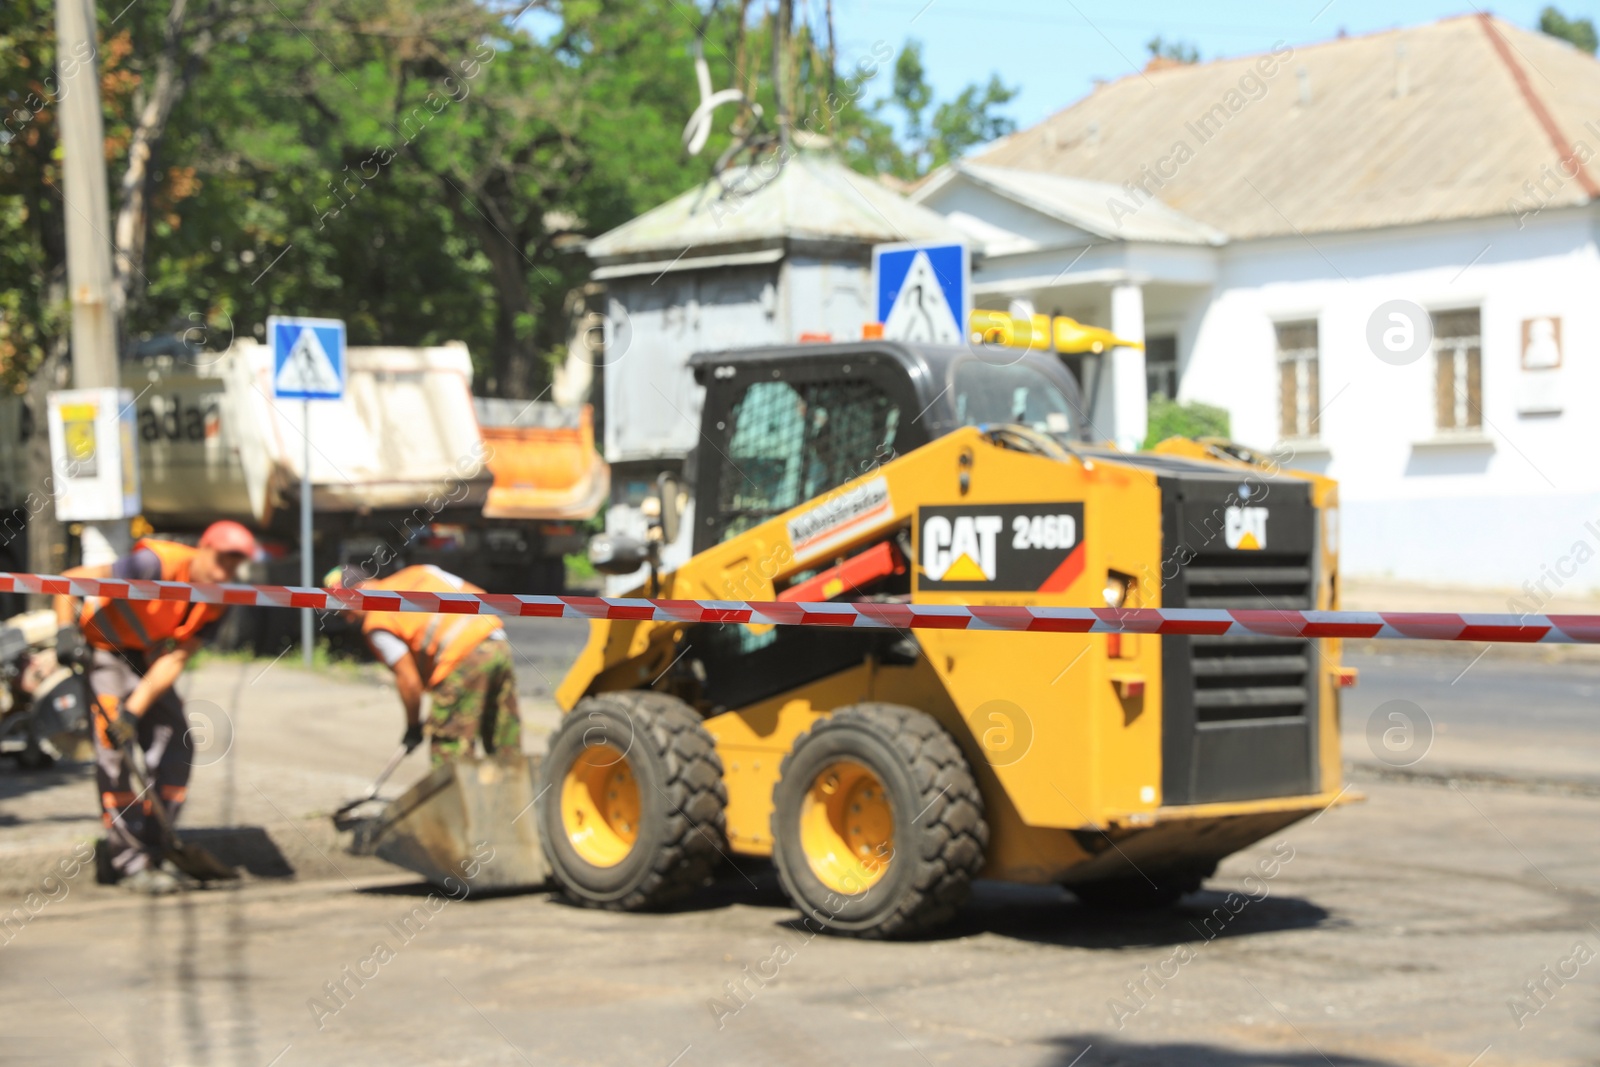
(339, 820)
(192, 860)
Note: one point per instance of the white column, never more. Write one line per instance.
(1128, 403)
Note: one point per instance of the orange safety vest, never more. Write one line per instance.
(440, 640)
(141, 625)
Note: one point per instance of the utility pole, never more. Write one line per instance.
(88, 218)
(780, 73)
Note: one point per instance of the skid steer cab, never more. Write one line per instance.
(883, 771)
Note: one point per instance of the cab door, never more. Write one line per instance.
(777, 433)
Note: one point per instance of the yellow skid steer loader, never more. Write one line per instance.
(883, 770)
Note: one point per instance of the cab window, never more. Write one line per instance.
(791, 442)
(987, 393)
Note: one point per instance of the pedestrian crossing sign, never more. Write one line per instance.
(307, 358)
(924, 292)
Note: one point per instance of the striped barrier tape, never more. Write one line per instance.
(1383, 625)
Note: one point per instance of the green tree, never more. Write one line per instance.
(1168, 418)
(424, 169)
(971, 119)
(1578, 32)
(431, 172)
(1175, 51)
(911, 91)
(32, 227)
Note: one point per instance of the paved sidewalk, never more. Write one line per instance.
(278, 749)
(1376, 594)
(1368, 594)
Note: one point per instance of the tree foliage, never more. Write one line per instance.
(1578, 32)
(972, 118)
(426, 170)
(1168, 418)
(1172, 51)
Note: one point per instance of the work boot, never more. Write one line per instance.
(152, 882)
(185, 880)
(105, 873)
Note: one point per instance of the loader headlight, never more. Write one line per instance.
(1118, 587)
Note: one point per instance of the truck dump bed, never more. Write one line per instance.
(404, 434)
(408, 434)
(543, 459)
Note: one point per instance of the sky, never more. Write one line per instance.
(1054, 50)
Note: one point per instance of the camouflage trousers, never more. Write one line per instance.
(477, 700)
(133, 834)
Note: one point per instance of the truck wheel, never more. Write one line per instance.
(632, 802)
(877, 823)
(34, 758)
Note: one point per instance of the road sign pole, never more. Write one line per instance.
(305, 527)
(308, 363)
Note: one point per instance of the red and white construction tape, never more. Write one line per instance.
(1386, 625)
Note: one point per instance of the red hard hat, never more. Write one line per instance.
(229, 536)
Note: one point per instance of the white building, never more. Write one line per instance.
(1259, 222)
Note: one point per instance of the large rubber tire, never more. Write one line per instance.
(34, 758)
(681, 800)
(938, 830)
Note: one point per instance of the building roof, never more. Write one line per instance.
(1442, 121)
(1078, 202)
(814, 197)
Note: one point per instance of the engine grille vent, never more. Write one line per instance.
(1250, 677)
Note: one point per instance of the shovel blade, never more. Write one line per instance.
(199, 863)
(350, 815)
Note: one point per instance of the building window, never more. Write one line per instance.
(1458, 369)
(1161, 367)
(1299, 390)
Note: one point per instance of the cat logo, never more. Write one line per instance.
(1022, 548)
(960, 549)
(1246, 528)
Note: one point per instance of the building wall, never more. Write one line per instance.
(1495, 513)
(828, 296)
(657, 323)
(652, 402)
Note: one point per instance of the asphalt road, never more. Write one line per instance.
(544, 649)
(1478, 710)
(1494, 716)
(1402, 931)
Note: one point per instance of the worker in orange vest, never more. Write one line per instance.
(134, 652)
(463, 662)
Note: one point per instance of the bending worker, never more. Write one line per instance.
(463, 662)
(134, 651)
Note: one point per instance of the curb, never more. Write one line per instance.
(1454, 777)
(1457, 650)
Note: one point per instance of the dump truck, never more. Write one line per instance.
(882, 771)
(495, 490)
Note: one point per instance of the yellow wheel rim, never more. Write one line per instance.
(600, 806)
(847, 827)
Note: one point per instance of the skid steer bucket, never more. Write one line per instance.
(470, 822)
